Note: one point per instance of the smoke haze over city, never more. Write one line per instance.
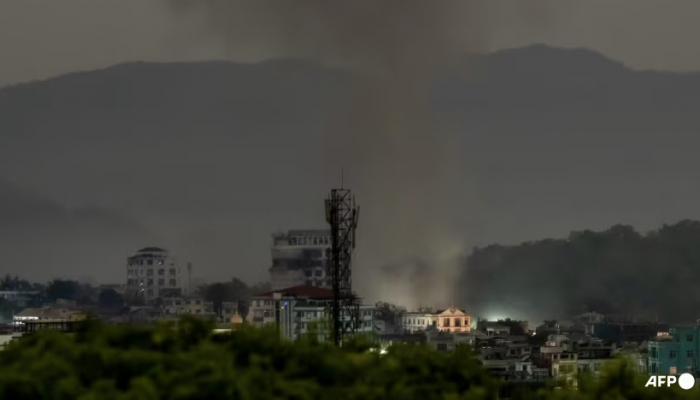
(449, 125)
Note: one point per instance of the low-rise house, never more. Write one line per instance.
(448, 320)
(558, 357)
(448, 342)
(593, 354)
(507, 357)
(174, 307)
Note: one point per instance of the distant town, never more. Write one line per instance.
(298, 298)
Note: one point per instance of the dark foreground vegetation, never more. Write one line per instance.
(108, 362)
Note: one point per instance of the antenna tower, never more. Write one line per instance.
(342, 215)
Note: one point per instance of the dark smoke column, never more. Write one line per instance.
(342, 215)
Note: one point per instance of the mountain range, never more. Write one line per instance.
(210, 158)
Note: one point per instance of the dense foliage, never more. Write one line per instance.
(617, 271)
(119, 362)
(139, 363)
(233, 291)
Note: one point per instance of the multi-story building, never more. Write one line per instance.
(302, 310)
(449, 320)
(560, 358)
(153, 273)
(624, 333)
(300, 257)
(677, 353)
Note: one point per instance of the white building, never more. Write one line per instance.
(300, 310)
(449, 320)
(300, 257)
(152, 273)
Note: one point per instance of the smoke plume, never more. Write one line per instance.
(404, 168)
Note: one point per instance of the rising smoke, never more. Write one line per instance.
(404, 168)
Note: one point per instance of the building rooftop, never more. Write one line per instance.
(309, 232)
(311, 292)
(151, 250)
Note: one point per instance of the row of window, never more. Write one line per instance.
(149, 282)
(320, 283)
(317, 272)
(149, 272)
(445, 322)
(309, 240)
(689, 354)
(305, 325)
(149, 261)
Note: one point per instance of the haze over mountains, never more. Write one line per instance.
(552, 140)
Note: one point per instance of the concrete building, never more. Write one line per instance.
(623, 333)
(677, 353)
(448, 342)
(153, 273)
(449, 320)
(301, 310)
(300, 257)
(562, 361)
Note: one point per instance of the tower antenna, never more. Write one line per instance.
(342, 214)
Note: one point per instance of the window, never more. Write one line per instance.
(150, 272)
(150, 292)
(160, 262)
(172, 271)
(654, 353)
(150, 282)
(292, 241)
(150, 262)
(458, 322)
(161, 282)
(161, 271)
(690, 354)
(308, 273)
(672, 354)
(319, 272)
(445, 322)
(173, 283)
(689, 338)
(130, 282)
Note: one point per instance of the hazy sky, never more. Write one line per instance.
(240, 151)
(40, 39)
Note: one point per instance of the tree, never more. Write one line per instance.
(516, 327)
(9, 282)
(389, 313)
(190, 362)
(63, 289)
